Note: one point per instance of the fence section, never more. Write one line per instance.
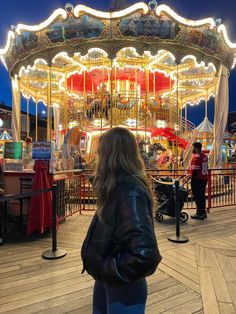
(76, 194)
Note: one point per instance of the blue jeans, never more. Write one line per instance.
(123, 299)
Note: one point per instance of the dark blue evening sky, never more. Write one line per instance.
(13, 12)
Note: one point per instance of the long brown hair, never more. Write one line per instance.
(118, 153)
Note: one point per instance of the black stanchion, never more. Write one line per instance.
(177, 238)
(55, 252)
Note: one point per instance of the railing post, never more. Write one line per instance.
(209, 191)
(55, 252)
(177, 238)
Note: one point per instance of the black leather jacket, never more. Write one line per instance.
(120, 246)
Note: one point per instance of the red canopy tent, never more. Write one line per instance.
(170, 135)
(94, 79)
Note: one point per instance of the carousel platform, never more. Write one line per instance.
(196, 277)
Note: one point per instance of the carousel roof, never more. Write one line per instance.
(206, 126)
(5, 136)
(78, 45)
(145, 26)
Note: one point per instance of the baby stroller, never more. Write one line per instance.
(165, 196)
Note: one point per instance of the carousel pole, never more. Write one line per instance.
(177, 116)
(49, 106)
(108, 85)
(115, 99)
(206, 103)
(65, 104)
(171, 122)
(19, 131)
(27, 110)
(154, 84)
(92, 85)
(102, 102)
(214, 128)
(206, 116)
(136, 98)
(147, 99)
(180, 118)
(84, 89)
(36, 120)
(111, 95)
(27, 116)
(154, 91)
(186, 117)
(84, 83)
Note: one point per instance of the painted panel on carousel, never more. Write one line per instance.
(24, 42)
(149, 25)
(73, 28)
(166, 28)
(59, 32)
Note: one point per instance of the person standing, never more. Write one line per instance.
(120, 249)
(199, 175)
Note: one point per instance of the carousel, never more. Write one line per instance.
(136, 66)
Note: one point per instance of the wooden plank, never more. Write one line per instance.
(232, 291)
(178, 255)
(180, 269)
(8, 269)
(180, 263)
(157, 277)
(228, 252)
(26, 280)
(226, 308)
(226, 268)
(186, 308)
(162, 285)
(45, 289)
(200, 256)
(167, 293)
(185, 280)
(40, 298)
(85, 310)
(208, 294)
(58, 280)
(19, 272)
(220, 286)
(168, 304)
(81, 297)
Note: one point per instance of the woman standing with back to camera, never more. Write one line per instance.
(120, 249)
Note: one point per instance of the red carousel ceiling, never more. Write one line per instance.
(94, 79)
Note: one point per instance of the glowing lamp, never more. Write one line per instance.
(161, 124)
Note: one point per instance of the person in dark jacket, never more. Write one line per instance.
(120, 249)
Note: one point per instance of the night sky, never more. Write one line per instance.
(31, 12)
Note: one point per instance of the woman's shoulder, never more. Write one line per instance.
(130, 186)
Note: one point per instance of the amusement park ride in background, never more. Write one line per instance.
(138, 67)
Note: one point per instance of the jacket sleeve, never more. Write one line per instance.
(137, 254)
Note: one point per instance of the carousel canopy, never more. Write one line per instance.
(77, 46)
(5, 136)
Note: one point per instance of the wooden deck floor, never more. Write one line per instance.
(196, 277)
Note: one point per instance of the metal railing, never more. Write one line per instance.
(220, 191)
(75, 194)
